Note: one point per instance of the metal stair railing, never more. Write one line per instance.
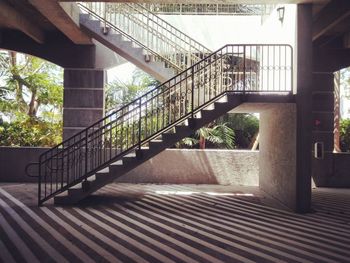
(160, 40)
(232, 69)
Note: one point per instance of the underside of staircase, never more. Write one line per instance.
(126, 48)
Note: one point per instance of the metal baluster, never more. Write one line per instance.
(39, 180)
(139, 142)
(192, 91)
(244, 68)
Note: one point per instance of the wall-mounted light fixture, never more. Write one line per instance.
(280, 12)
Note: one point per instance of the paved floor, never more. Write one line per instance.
(173, 223)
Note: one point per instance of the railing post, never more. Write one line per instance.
(39, 183)
(147, 34)
(244, 68)
(86, 153)
(139, 143)
(192, 93)
(105, 18)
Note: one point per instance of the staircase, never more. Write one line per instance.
(142, 38)
(143, 128)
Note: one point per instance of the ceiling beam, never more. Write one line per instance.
(62, 16)
(13, 19)
(330, 17)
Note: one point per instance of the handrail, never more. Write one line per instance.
(26, 169)
(233, 68)
(145, 29)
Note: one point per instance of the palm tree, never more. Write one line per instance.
(220, 135)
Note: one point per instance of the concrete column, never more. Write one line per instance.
(83, 102)
(277, 153)
(327, 60)
(323, 125)
(304, 108)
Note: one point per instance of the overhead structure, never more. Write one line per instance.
(209, 9)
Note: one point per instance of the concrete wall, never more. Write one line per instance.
(184, 166)
(171, 166)
(277, 161)
(332, 171)
(13, 161)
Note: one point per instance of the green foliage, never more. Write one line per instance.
(221, 136)
(119, 93)
(30, 132)
(345, 135)
(246, 126)
(230, 131)
(31, 98)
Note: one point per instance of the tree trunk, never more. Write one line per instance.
(201, 142)
(33, 105)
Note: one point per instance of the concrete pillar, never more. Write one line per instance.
(304, 108)
(83, 102)
(327, 60)
(277, 153)
(323, 124)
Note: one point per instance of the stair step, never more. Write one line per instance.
(223, 99)
(115, 37)
(103, 171)
(155, 144)
(117, 163)
(210, 107)
(129, 158)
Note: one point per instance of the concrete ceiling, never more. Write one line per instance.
(37, 18)
(331, 24)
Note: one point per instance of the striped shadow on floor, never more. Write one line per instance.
(174, 223)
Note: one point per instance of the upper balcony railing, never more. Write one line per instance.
(160, 40)
(208, 9)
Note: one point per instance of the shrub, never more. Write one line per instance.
(345, 135)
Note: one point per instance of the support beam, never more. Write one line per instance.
(62, 16)
(330, 17)
(304, 108)
(83, 102)
(13, 19)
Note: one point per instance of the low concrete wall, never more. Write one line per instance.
(13, 161)
(341, 172)
(332, 171)
(170, 166)
(183, 166)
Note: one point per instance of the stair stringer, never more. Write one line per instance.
(129, 162)
(126, 49)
